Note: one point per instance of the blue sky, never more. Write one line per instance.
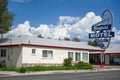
(48, 11)
(61, 18)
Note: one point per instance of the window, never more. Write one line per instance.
(85, 56)
(70, 55)
(3, 53)
(44, 53)
(77, 56)
(33, 51)
(47, 54)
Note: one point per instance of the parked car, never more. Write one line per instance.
(116, 60)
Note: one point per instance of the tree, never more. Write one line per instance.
(67, 39)
(90, 43)
(6, 18)
(93, 43)
(76, 39)
(40, 36)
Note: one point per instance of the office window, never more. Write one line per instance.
(3, 53)
(70, 55)
(85, 56)
(33, 51)
(47, 54)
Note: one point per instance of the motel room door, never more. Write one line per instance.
(107, 60)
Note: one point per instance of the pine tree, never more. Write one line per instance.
(6, 18)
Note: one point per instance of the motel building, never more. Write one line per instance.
(111, 56)
(24, 51)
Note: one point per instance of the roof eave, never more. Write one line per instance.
(47, 46)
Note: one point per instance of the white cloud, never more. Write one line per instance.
(116, 39)
(67, 27)
(68, 19)
(21, 29)
(43, 29)
(21, 1)
(81, 28)
(60, 32)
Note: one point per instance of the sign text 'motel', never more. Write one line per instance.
(101, 35)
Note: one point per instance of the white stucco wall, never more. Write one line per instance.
(13, 56)
(28, 57)
(58, 55)
(16, 56)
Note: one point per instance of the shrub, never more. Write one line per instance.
(82, 65)
(2, 66)
(22, 70)
(67, 61)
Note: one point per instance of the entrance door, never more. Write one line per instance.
(107, 60)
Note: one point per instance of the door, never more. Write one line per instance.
(107, 60)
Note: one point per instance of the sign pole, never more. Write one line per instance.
(102, 60)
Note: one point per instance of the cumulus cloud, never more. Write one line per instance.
(68, 19)
(21, 29)
(116, 39)
(60, 32)
(21, 1)
(67, 27)
(43, 29)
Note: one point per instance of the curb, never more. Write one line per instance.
(12, 73)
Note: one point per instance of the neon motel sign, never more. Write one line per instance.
(103, 30)
(101, 34)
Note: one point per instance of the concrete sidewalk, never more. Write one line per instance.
(107, 66)
(12, 73)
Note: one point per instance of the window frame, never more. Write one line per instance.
(77, 56)
(47, 54)
(33, 51)
(3, 52)
(71, 55)
(85, 56)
